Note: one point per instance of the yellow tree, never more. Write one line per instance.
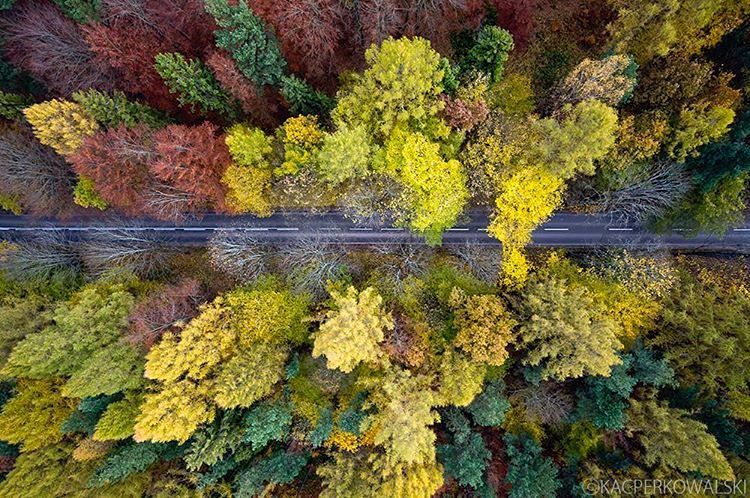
(485, 328)
(60, 124)
(353, 331)
(230, 356)
(248, 178)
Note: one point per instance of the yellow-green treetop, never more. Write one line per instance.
(60, 124)
(353, 331)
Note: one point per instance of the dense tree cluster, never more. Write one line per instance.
(131, 368)
(447, 384)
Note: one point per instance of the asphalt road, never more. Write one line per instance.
(562, 230)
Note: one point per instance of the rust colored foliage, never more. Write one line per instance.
(38, 38)
(517, 16)
(192, 159)
(497, 467)
(117, 161)
(312, 34)
(132, 32)
(463, 115)
(436, 20)
(262, 107)
(163, 311)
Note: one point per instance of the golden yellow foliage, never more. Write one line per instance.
(60, 124)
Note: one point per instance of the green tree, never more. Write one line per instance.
(12, 105)
(489, 52)
(400, 86)
(127, 460)
(248, 178)
(460, 379)
(21, 316)
(353, 330)
(670, 438)
(118, 420)
(303, 98)
(489, 408)
(85, 194)
(704, 335)
(563, 333)
(252, 46)
(465, 458)
(266, 422)
(529, 473)
(280, 467)
(114, 368)
(115, 109)
(92, 319)
(81, 11)
(194, 84)
(698, 125)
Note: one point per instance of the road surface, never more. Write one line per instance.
(562, 230)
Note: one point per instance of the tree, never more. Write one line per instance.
(19, 317)
(125, 461)
(113, 369)
(136, 32)
(489, 408)
(192, 159)
(400, 86)
(281, 467)
(698, 125)
(485, 328)
(244, 36)
(12, 105)
(136, 251)
(33, 174)
(33, 417)
(229, 356)
(344, 477)
(526, 200)
(193, 83)
(302, 138)
(266, 422)
(529, 473)
(85, 195)
(38, 39)
(352, 331)
(345, 154)
(118, 420)
(672, 439)
(703, 335)
(405, 413)
(92, 319)
(113, 110)
(566, 148)
(489, 52)
(301, 98)
(433, 191)
(81, 11)
(163, 310)
(466, 457)
(60, 124)
(460, 379)
(117, 161)
(610, 81)
(563, 334)
(260, 105)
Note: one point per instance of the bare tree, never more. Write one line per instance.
(482, 260)
(34, 174)
(547, 403)
(41, 40)
(239, 254)
(40, 256)
(651, 197)
(401, 261)
(311, 263)
(130, 247)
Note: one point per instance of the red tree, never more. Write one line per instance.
(312, 35)
(262, 108)
(117, 160)
(436, 20)
(41, 40)
(379, 19)
(517, 16)
(133, 32)
(192, 160)
(162, 311)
